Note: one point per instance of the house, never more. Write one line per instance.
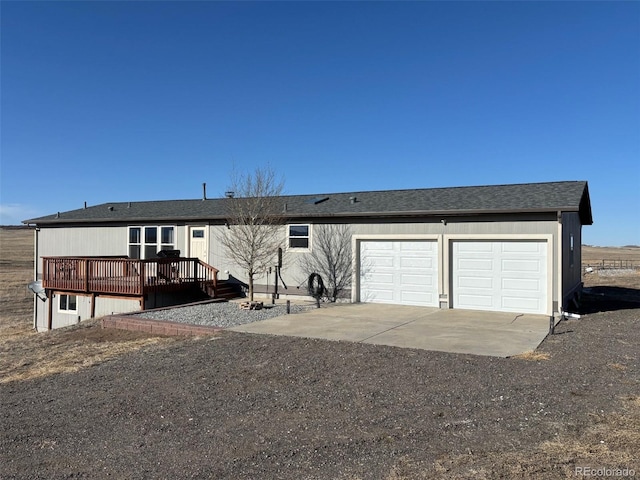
(511, 248)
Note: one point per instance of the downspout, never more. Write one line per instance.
(36, 230)
(355, 270)
(560, 262)
(441, 268)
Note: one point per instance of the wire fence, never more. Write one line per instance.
(617, 264)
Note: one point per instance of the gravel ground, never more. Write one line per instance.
(242, 406)
(222, 314)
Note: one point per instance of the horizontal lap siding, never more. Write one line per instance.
(83, 241)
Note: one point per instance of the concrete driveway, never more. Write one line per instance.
(457, 331)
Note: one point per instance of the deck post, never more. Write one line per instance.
(142, 274)
(86, 275)
(93, 305)
(50, 312)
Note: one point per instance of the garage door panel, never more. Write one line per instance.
(374, 261)
(378, 246)
(521, 247)
(380, 279)
(417, 263)
(520, 303)
(475, 282)
(416, 298)
(408, 279)
(471, 264)
(524, 284)
(402, 272)
(421, 247)
(512, 277)
(378, 296)
(475, 247)
(517, 265)
(473, 301)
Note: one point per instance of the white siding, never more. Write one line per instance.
(104, 306)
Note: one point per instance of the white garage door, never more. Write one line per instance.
(507, 276)
(399, 272)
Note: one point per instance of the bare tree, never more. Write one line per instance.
(254, 221)
(331, 257)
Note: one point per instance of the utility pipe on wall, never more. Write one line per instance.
(35, 277)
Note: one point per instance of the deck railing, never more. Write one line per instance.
(125, 276)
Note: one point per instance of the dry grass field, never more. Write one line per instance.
(591, 254)
(25, 353)
(618, 277)
(598, 387)
(16, 271)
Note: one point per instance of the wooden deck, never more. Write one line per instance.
(122, 276)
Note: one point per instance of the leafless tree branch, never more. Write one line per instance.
(255, 219)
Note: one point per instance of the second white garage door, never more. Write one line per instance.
(507, 276)
(399, 272)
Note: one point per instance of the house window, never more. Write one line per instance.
(146, 242)
(135, 242)
(68, 303)
(299, 236)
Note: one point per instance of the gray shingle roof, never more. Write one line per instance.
(519, 198)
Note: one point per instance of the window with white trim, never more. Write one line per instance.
(146, 242)
(299, 236)
(68, 303)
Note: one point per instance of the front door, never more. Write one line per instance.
(198, 243)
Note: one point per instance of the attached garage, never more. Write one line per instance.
(503, 276)
(399, 272)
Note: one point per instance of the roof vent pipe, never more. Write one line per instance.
(85, 205)
(204, 191)
(353, 200)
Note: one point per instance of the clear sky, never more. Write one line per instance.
(127, 101)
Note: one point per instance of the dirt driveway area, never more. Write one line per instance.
(239, 406)
(455, 331)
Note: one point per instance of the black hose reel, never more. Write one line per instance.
(315, 287)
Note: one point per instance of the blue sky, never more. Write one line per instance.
(126, 101)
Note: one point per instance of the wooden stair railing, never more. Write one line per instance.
(207, 277)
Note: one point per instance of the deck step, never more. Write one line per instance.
(227, 290)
